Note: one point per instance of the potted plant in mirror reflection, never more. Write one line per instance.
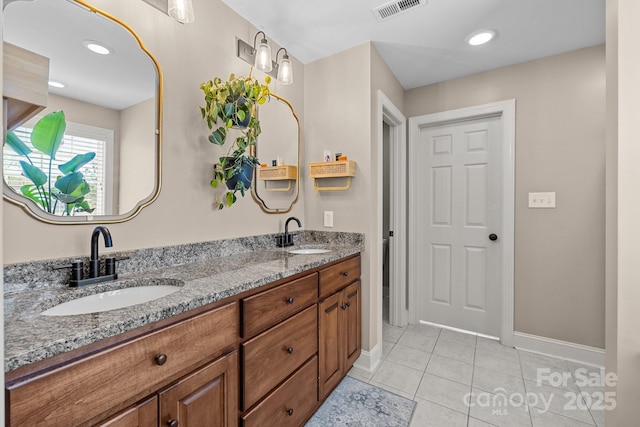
(233, 104)
(60, 195)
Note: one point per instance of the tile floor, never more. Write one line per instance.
(459, 379)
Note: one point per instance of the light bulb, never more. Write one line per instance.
(263, 57)
(285, 71)
(181, 11)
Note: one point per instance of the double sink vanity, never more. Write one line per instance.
(246, 334)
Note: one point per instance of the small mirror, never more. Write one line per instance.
(276, 186)
(110, 102)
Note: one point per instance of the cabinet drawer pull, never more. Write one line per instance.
(348, 304)
(172, 423)
(343, 306)
(290, 350)
(290, 300)
(345, 274)
(290, 411)
(161, 359)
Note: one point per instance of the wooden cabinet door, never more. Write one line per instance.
(330, 344)
(206, 398)
(144, 414)
(352, 325)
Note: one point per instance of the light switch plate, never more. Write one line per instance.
(542, 200)
(328, 219)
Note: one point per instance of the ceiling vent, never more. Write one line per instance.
(395, 8)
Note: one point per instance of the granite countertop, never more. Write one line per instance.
(31, 337)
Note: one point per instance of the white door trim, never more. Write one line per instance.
(507, 109)
(390, 114)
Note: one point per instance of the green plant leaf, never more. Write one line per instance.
(230, 198)
(65, 198)
(83, 206)
(69, 183)
(218, 136)
(16, 144)
(34, 173)
(48, 132)
(31, 191)
(76, 163)
(214, 183)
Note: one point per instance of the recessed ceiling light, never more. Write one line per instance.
(56, 84)
(481, 37)
(96, 47)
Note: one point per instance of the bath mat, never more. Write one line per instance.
(354, 403)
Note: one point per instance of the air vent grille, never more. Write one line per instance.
(395, 8)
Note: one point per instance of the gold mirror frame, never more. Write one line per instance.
(30, 207)
(254, 188)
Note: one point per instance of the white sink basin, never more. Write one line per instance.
(111, 300)
(309, 251)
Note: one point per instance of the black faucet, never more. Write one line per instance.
(286, 239)
(77, 267)
(94, 262)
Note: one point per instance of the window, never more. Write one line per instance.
(78, 139)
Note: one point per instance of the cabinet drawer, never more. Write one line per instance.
(261, 311)
(338, 276)
(82, 390)
(291, 403)
(273, 355)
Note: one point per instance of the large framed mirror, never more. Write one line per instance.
(276, 186)
(107, 165)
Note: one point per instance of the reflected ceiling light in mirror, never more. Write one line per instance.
(57, 85)
(481, 37)
(263, 53)
(285, 68)
(96, 47)
(181, 11)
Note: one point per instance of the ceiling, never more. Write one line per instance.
(426, 44)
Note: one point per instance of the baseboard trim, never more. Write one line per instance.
(566, 350)
(369, 360)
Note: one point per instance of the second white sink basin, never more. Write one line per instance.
(309, 251)
(111, 300)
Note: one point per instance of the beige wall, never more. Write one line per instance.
(624, 317)
(560, 132)
(337, 118)
(137, 155)
(611, 214)
(341, 116)
(184, 212)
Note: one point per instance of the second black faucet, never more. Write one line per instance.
(286, 239)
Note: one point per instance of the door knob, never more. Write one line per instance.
(493, 236)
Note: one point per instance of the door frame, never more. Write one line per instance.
(390, 114)
(507, 110)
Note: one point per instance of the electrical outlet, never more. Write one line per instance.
(542, 200)
(328, 218)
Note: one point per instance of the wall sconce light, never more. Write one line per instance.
(260, 58)
(181, 11)
(285, 68)
(262, 53)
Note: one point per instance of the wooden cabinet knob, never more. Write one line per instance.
(290, 411)
(172, 423)
(345, 274)
(348, 304)
(161, 359)
(290, 300)
(343, 306)
(290, 350)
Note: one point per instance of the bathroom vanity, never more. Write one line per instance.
(252, 351)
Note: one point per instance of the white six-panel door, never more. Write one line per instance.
(456, 205)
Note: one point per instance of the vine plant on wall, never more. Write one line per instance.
(233, 104)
